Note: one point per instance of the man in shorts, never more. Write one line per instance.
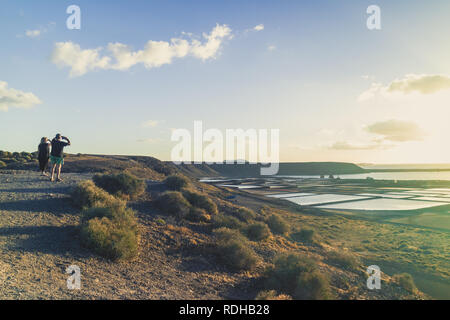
(57, 155)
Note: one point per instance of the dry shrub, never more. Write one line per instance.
(258, 231)
(176, 182)
(233, 250)
(198, 215)
(86, 195)
(111, 232)
(173, 203)
(201, 201)
(344, 260)
(272, 295)
(406, 281)
(122, 185)
(277, 224)
(297, 276)
(221, 220)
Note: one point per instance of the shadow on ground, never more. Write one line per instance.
(44, 239)
(60, 190)
(56, 206)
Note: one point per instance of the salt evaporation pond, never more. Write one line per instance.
(323, 198)
(383, 204)
(290, 195)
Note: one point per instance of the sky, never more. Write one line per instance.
(137, 70)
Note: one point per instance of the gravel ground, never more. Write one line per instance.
(39, 240)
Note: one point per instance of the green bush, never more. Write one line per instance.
(117, 213)
(258, 231)
(176, 183)
(110, 231)
(2, 164)
(287, 269)
(406, 281)
(271, 295)
(122, 184)
(233, 250)
(221, 220)
(304, 235)
(114, 238)
(86, 195)
(227, 234)
(313, 286)
(173, 203)
(344, 260)
(277, 224)
(200, 201)
(198, 215)
(244, 214)
(298, 277)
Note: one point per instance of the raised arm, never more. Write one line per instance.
(67, 139)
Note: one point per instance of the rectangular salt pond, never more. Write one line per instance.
(386, 195)
(383, 204)
(239, 186)
(426, 192)
(445, 190)
(401, 194)
(288, 195)
(324, 198)
(433, 199)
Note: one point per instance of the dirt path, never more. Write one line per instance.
(39, 240)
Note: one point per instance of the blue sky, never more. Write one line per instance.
(305, 73)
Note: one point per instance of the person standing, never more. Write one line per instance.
(57, 155)
(43, 155)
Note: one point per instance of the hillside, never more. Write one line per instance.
(150, 167)
(286, 168)
(180, 255)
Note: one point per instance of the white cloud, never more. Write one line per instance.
(79, 60)
(154, 54)
(10, 97)
(33, 33)
(410, 83)
(425, 84)
(259, 27)
(150, 123)
(271, 48)
(344, 145)
(381, 135)
(376, 88)
(36, 33)
(396, 130)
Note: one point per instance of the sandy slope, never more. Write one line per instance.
(38, 241)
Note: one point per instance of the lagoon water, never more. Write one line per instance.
(442, 175)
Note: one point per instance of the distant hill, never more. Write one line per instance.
(287, 168)
(153, 168)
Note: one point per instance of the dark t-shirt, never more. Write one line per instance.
(44, 150)
(58, 147)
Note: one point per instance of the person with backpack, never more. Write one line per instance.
(57, 155)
